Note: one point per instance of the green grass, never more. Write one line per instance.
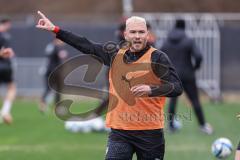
(34, 136)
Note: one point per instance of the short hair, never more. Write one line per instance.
(136, 19)
(180, 24)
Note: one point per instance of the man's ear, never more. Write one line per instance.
(148, 34)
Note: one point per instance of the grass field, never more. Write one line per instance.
(34, 136)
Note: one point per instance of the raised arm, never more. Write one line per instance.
(80, 43)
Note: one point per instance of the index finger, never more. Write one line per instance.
(41, 14)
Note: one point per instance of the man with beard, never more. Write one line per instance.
(143, 78)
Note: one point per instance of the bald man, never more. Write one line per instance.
(141, 77)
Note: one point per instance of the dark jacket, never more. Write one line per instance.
(183, 53)
(5, 63)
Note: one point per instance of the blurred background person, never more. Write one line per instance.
(6, 70)
(121, 28)
(56, 54)
(237, 156)
(181, 50)
(151, 35)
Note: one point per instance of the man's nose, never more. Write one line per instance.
(137, 35)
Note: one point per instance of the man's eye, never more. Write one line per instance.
(132, 31)
(141, 32)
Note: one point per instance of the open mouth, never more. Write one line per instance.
(137, 42)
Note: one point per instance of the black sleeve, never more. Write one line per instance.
(85, 46)
(238, 146)
(1, 43)
(195, 52)
(4, 42)
(171, 85)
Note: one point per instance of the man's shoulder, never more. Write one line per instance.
(159, 56)
(158, 52)
(2, 38)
